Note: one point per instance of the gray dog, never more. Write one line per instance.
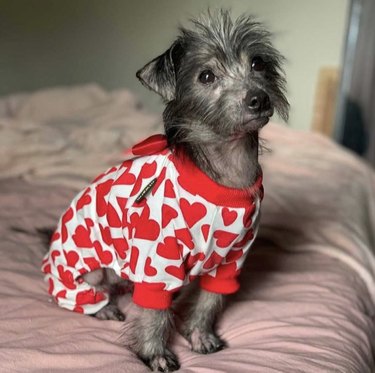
(221, 81)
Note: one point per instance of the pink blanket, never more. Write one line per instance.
(307, 298)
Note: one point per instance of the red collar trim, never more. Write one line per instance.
(197, 182)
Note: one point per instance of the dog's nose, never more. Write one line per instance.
(257, 101)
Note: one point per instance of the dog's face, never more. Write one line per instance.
(221, 78)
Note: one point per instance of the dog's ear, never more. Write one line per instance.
(159, 75)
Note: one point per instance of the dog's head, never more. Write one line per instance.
(219, 78)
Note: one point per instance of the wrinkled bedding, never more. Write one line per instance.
(307, 300)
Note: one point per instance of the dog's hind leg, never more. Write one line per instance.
(199, 323)
(106, 279)
(150, 336)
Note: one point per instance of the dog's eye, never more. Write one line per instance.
(257, 64)
(207, 77)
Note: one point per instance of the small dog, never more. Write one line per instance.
(186, 204)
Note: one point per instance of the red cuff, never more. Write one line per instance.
(219, 285)
(152, 296)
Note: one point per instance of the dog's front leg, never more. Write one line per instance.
(198, 326)
(150, 335)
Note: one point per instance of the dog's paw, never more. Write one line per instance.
(205, 342)
(166, 362)
(110, 312)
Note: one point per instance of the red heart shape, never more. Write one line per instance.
(106, 234)
(193, 259)
(81, 237)
(51, 286)
(55, 237)
(61, 294)
(159, 180)
(105, 256)
(169, 249)
(149, 269)
(89, 297)
(167, 214)
(121, 246)
(46, 268)
(224, 238)
(192, 212)
(148, 170)
(125, 178)
(71, 258)
(205, 229)
(92, 263)
(145, 228)
(247, 218)
(66, 277)
(229, 216)
(133, 259)
(101, 192)
(246, 238)
(185, 237)
(169, 190)
(233, 255)
(84, 200)
(213, 260)
(178, 272)
(54, 254)
(66, 217)
(113, 218)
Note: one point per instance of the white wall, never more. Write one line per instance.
(54, 42)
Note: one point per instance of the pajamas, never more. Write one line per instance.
(158, 221)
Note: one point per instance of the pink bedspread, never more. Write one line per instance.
(308, 291)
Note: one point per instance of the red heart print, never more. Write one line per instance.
(89, 222)
(169, 190)
(66, 277)
(61, 294)
(178, 272)
(146, 228)
(113, 219)
(106, 234)
(66, 217)
(54, 254)
(101, 192)
(46, 268)
(192, 212)
(247, 218)
(148, 170)
(71, 258)
(105, 256)
(224, 238)
(84, 200)
(193, 259)
(81, 237)
(89, 297)
(92, 263)
(167, 214)
(229, 216)
(121, 246)
(149, 269)
(126, 178)
(55, 237)
(159, 180)
(51, 286)
(185, 237)
(205, 230)
(134, 258)
(233, 255)
(213, 260)
(169, 249)
(246, 238)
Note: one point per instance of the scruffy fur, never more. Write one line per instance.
(214, 118)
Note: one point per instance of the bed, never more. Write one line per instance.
(307, 298)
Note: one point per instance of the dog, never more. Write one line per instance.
(186, 204)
